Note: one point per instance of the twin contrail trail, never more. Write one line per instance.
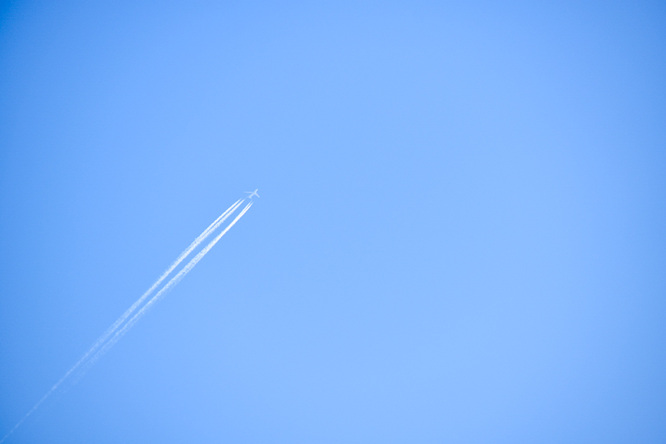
(212, 227)
(125, 322)
(181, 274)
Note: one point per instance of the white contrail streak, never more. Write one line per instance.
(102, 339)
(212, 227)
(115, 332)
(174, 280)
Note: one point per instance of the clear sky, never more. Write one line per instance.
(460, 236)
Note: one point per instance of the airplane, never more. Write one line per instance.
(252, 193)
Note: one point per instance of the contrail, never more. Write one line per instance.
(102, 339)
(212, 227)
(177, 278)
(114, 333)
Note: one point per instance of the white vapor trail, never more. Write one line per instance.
(174, 280)
(111, 330)
(115, 332)
(212, 227)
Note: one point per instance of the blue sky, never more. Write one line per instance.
(460, 236)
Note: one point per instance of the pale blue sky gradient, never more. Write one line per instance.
(460, 237)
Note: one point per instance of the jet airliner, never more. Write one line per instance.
(252, 193)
